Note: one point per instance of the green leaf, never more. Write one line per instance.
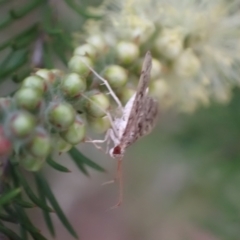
(38, 236)
(78, 156)
(47, 57)
(60, 53)
(9, 233)
(6, 21)
(31, 195)
(13, 175)
(65, 40)
(19, 36)
(26, 9)
(50, 196)
(7, 197)
(9, 211)
(24, 204)
(7, 60)
(46, 214)
(24, 42)
(79, 164)
(53, 31)
(23, 233)
(8, 218)
(57, 166)
(24, 220)
(19, 76)
(81, 11)
(19, 58)
(19, 214)
(26, 32)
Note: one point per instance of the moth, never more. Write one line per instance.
(138, 118)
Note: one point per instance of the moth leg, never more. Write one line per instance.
(89, 140)
(119, 177)
(99, 140)
(94, 142)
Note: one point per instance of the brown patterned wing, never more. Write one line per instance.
(138, 104)
(149, 117)
(146, 121)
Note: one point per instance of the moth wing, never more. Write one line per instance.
(146, 121)
(137, 106)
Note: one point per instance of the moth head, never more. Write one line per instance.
(116, 152)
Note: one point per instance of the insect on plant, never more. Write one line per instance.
(138, 118)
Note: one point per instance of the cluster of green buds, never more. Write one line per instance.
(121, 64)
(40, 120)
(193, 62)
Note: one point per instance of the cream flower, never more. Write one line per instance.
(196, 42)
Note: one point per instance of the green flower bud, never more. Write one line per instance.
(169, 43)
(98, 42)
(142, 34)
(125, 94)
(99, 125)
(60, 144)
(159, 89)
(40, 144)
(28, 98)
(48, 76)
(127, 52)
(61, 115)
(35, 82)
(57, 73)
(77, 65)
(22, 124)
(31, 163)
(116, 76)
(97, 105)
(72, 85)
(75, 133)
(156, 69)
(87, 50)
(187, 64)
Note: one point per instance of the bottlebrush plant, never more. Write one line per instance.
(195, 46)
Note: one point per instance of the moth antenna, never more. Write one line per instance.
(120, 182)
(105, 82)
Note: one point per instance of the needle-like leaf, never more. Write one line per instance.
(31, 194)
(46, 214)
(10, 195)
(9, 233)
(80, 158)
(50, 196)
(56, 165)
